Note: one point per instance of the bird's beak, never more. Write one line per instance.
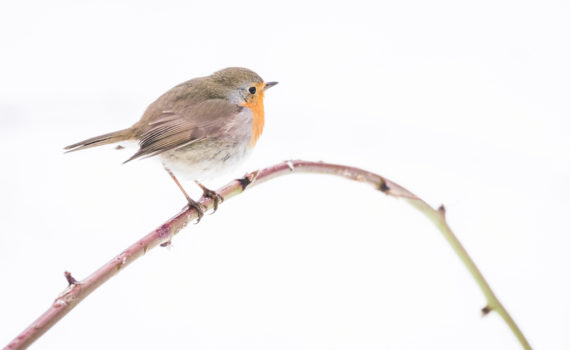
(269, 84)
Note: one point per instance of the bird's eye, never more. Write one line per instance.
(252, 90)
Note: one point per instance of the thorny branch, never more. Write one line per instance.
(78, 290)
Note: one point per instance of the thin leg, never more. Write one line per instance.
(208, 193)
(191, 203)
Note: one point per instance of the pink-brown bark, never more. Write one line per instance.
(78, 290)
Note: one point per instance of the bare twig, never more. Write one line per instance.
(78, 290)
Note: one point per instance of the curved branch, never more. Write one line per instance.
(78, 290)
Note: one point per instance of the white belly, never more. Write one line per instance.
(213, 156)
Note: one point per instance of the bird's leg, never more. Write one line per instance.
(191, 203)
(208, 193)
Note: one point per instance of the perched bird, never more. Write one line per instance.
(200, 128)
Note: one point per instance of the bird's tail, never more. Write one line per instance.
(111, 137)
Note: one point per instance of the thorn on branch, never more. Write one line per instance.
(122, 261)
(441, 209)
(248, 179)
(486, 310)
(290, 165)
(69, 278)
(166, 244)
(383, 187)
(119, 147)
(244, 182)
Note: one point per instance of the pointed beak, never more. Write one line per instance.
(269, 85)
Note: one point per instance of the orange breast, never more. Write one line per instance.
(256, 106)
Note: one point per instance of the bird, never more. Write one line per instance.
(200, 128)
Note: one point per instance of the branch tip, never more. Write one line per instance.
(69, 278)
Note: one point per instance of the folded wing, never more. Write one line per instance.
(171, 129)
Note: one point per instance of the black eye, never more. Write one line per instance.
(252, 90)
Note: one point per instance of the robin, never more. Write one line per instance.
(200, 128)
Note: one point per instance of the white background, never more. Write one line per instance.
(463, 104)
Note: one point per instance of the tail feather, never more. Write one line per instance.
(111, 137)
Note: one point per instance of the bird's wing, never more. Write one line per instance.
(171, 129)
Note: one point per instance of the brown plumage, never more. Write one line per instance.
(201, 127)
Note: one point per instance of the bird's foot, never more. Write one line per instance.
(200, 209)
(208, 193)
(191, 203)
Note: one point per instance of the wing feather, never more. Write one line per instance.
(170, 130)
